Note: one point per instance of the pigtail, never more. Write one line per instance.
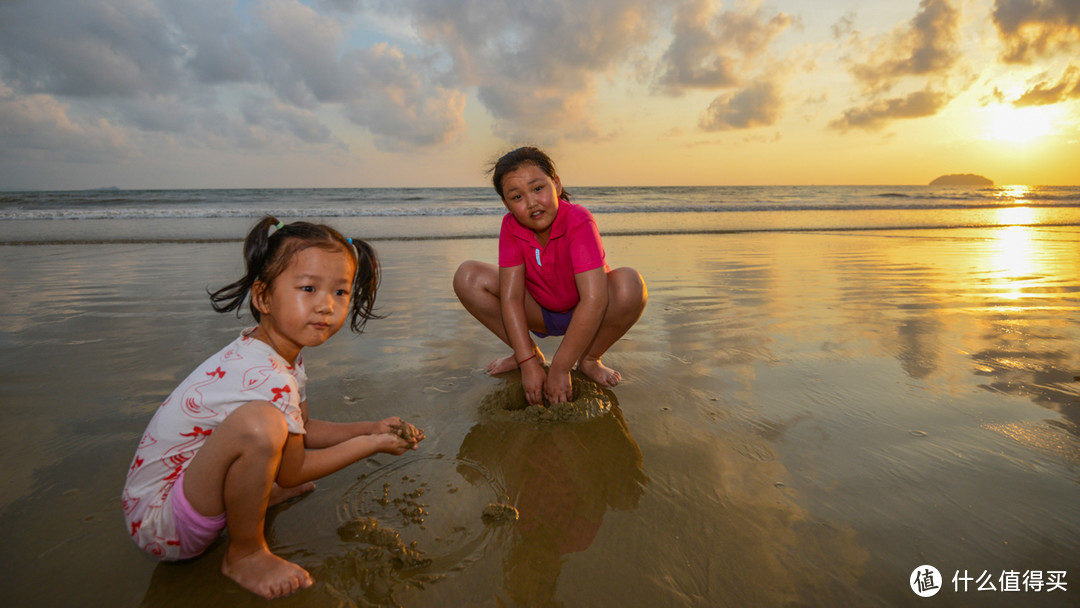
(256, 247)
(267, 251)
(365, 285)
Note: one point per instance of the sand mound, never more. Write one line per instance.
(508, 401)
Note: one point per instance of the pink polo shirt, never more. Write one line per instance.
(573, 247)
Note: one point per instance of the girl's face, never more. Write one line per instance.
(532, 198)
(307, 303)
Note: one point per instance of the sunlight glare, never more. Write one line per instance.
(1016, 193)
(1013, 259)
(1013, 216)
(1019, 125)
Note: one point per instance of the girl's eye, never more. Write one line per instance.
(308, 288)
(539, 188)
(342, 292)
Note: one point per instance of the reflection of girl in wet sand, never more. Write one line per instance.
(235, 436)
(562, 478)
(552, 279)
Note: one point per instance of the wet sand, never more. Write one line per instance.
(804, 419)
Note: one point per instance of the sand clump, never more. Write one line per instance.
(408, 432)
(367, 530)
(590, 401)
(499, 513)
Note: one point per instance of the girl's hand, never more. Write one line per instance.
(387, 425)
(405, 430)
(558, 388)
(392, 443)
(533, 378)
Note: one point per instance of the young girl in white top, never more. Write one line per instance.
(235, 436)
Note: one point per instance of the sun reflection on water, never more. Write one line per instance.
(1016, 193)
(1013, 261)
(1014, 216)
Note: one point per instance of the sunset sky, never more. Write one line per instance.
(343, 93)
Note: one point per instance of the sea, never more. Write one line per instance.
(424, 213)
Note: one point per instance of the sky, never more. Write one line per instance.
(427, 93)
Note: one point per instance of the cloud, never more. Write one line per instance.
(875, 115)
(207, 72)
(296, 52)
(214, 39)
(392, 94)
(710, 49)
(1045, 94)
(278, 117)
(925, 46)
(534, 66)
(1035, 28)
(756, 106)
(89, 48)
(38, 127)
(923, 50)
(396, 105)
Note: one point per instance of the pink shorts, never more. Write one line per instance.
(194, 530)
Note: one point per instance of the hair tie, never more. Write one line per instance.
(279, 225)
(349, 239)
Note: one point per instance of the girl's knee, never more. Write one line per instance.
(464, 275)
(627, 288)
(258, 424)
(469, 277)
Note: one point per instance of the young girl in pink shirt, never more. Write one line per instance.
(552, 279)
(235, 436)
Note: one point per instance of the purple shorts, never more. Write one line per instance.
(556, 323)
(194, 530)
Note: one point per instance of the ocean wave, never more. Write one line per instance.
(898, 203)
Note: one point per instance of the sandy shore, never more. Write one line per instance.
(804, 419)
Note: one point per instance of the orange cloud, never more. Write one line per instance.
(877, 114)
(756, 106)
(925, 46)
(1045, 94)
(1035, 28)
(710, 49)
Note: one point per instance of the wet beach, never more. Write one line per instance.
(804, 419)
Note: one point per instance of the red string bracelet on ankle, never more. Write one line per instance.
(526, 359)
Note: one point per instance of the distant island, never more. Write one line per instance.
(962, 179)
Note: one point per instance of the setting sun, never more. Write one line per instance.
(1019, 125)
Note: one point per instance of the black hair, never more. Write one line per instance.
(266, 255)
(524, 155)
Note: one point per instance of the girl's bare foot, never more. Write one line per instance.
(600, 373)
(502, 365)
(508, 363)
(279, 494)
(265, 574)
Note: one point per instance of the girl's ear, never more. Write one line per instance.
(260, 297)
(558, 185)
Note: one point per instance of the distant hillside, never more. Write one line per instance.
(962, 179)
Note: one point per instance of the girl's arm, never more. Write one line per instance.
(512, 301)
(299, 466)
(593, 294)
(323, 434)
